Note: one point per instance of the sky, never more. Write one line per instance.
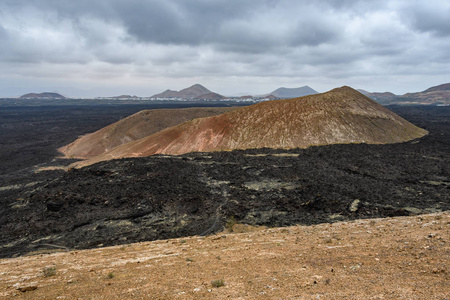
(91, 48)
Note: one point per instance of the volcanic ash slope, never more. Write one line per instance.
(134, 127)
(342, 115)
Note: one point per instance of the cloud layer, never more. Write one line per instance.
(105, 47)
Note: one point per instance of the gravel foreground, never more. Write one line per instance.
(390, 258)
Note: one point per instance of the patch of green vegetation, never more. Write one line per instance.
(111, 275)
(217, 283)
(49, 271)
(231, 221)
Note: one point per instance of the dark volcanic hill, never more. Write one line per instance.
(42, 96)
(190, 92)
(285, 93)
(341, 115)
(134, 127)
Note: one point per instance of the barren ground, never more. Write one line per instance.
(391, 258)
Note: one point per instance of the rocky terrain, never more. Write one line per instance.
(390, 258)
(341, 115)
(158, 197)
(190, 197)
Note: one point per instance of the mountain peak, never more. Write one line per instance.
(190, 92)
(284, 92)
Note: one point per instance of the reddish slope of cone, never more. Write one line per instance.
(342, 115)
(134, 127)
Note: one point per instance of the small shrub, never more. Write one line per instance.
(49, 271)
(189, 259)
(217, 283)
(111, 275)
(231, 221)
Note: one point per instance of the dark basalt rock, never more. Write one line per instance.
(158, 197)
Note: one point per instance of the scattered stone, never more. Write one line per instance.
(438, 271)
(29, 288)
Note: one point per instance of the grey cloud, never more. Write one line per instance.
(194, 23)
(179, 38)
(428, 17)
(309, 33)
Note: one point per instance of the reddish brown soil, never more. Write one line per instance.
(392, 258)
(134, 127)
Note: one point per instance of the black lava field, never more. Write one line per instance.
(158, 197)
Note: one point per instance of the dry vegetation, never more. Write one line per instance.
(393, 258)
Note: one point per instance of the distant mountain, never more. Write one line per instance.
(210, 96)
(442, 87)
(379, 97)
(45, 95)
(245, 97)
(190, 92)
(125, 97)
(293, 92)
(342, 115)
(436, 95)
(166, 94)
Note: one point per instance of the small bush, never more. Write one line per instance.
(231, 221)
(189, 259)
(49, 271)
(217, 283)
(111, 275)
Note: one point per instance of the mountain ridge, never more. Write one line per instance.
(435, 95)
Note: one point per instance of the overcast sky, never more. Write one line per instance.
(233, 47)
